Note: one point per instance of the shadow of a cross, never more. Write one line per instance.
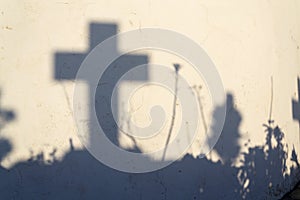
(68, 63)
(296, 105)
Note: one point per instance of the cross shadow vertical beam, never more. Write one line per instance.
(296, 107)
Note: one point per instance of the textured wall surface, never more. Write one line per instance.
(255, 46)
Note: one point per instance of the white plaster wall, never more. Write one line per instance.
(249, 42)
